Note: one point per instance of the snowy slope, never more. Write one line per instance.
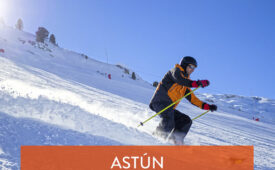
(21, 48)
(57, 97)
(23, 131)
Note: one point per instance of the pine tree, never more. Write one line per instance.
(19, 24)
(155, 84)
(134, 76)
(52, 39)
(41, 34)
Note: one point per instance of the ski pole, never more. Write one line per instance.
(142, 123)
(201, 115)
(168, 137)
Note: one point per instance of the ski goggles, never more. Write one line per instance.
(191, 66)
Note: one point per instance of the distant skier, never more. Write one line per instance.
(174, 85)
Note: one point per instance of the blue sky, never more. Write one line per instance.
(233, 41)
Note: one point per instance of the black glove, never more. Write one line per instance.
(212, 107)
(202, 83)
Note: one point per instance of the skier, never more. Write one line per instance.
(174, 85)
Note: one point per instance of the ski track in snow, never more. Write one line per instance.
(68, 102)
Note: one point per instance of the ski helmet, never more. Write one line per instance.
(188, 60)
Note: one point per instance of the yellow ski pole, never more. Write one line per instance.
(201, 115)
(142, 123)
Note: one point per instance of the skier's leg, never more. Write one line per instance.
(167, 123)
(182, 126)
(182, 122)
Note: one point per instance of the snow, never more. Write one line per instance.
(53, 96)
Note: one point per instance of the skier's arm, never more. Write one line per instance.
(194, 100)
(197, 102)
(178, 77)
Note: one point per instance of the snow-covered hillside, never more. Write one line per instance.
(53, 96)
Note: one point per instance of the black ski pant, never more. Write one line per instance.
(172, 119)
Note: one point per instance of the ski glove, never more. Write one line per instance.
(211, 107)
(202, 83)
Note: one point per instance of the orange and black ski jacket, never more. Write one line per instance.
(174, 85)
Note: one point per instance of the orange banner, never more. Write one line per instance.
(136, 157)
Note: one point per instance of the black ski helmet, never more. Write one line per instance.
(188, 60)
